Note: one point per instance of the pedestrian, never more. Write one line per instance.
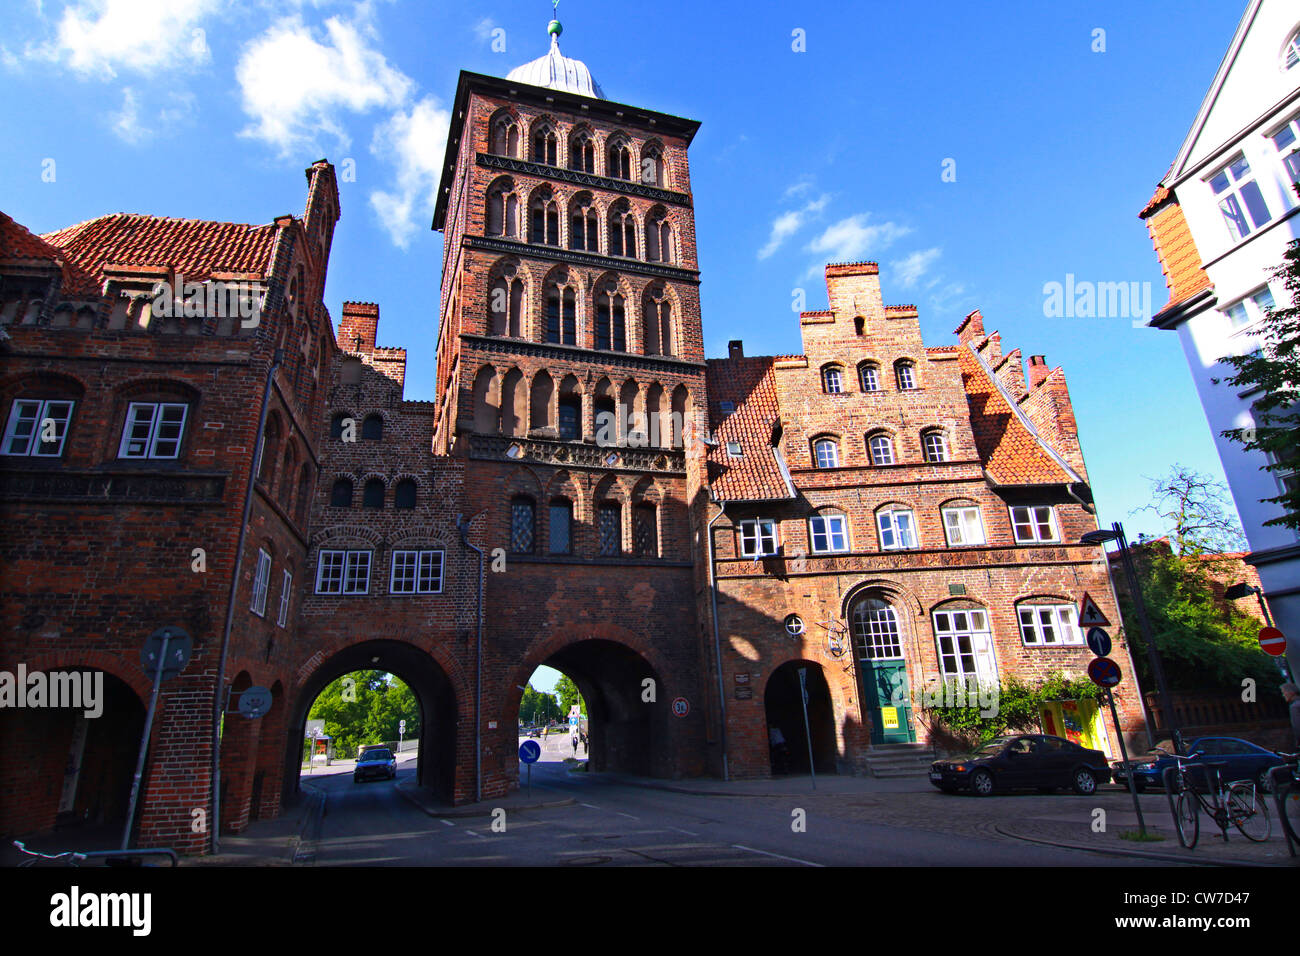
(780, 752)
(575, 744)
(585, 752)
(1291, 693)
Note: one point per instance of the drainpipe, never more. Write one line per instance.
(463, 527)
(219, 706)
(1089, 508)
(717, 640)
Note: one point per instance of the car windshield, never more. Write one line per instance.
(376, 755)
(993, 746)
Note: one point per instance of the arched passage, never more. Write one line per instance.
(627, 732)
(432, 687)
(785, 714)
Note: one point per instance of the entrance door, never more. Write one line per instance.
(886, 693)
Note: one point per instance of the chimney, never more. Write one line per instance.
(735, 349)
(1037, 370)
(358, 326)
(971, 328)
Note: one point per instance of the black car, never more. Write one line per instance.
(376, 762)
(1025, 761)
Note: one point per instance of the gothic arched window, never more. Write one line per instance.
(611, 319)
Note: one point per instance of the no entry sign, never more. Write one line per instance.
(1272, 641)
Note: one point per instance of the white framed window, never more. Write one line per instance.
(261, 582)
(343, 572)
(832, 380)
(1044, 625)
(416, 572)
(935, 446)
(897, 529)
(757, 537)
(906, 373)
(286, 595)
(876, 634)
(1288, 151)
(965, 645)
(1291, 52)
(31, 420)
(869, 376)
(962, 524)
(1239, 198)
(882, 449)
(828, 533)
(1250, 309)
(826, 453)
(153, 430)
(1034, 523)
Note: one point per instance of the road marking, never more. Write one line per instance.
(475, 833)
(680, 830)
(628, 815)
(777, 855)
(590, 806)
(447, 823)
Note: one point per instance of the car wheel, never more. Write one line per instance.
(1265, 780)
(981, 783)
(1084, 782)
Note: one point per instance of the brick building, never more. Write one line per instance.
(586, 491)
(892, 518)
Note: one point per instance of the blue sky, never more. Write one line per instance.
(212, 108)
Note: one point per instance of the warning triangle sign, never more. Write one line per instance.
(1090, 615)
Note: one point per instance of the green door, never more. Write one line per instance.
(886, 693)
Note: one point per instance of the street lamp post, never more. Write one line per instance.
(1144, 624)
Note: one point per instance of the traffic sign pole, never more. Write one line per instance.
(1123, 751)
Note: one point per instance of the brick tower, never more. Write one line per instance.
(570, 360)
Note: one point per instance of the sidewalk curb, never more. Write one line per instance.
(412, 795)
(1139, 854)
(302, 846)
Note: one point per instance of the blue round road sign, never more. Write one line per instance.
(1099, 641)
(530, 751)
(1104, 672)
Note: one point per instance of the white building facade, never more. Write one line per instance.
(1221, 220)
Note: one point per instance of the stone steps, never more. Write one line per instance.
(899, 760)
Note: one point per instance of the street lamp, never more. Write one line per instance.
(1239, 591)
(1153, 655)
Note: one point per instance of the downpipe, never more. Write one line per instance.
(717, 640)
(463, 526)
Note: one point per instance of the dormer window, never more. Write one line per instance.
(734, 450)
(726, 407)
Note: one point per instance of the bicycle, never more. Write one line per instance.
(1286, 793)
(1234, 804)
(74, 858)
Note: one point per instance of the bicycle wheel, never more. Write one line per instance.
(1187, 819)
(1289, 802)
(1248, 812)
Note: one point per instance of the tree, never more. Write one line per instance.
(1198, 512)
(365, 707)
(567, 691)
(1274, 371)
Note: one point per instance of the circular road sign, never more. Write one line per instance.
(1272, 641)
(681, 706)
(179, 646)
(1099, 641)
(254, 702)
(530, 751)
(1104, 672)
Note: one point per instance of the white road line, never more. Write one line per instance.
(589, 806)
(474, 833)
(628, 815)
(447, 823)
(680, 830)
(777, 855)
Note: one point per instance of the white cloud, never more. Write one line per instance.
(788, 223)
(414, 141)
(296, 87)
(795, 189)
(908, 270)
(103, 36)
(126, 122)
(483, 29)
(849, 240)
(130, 125)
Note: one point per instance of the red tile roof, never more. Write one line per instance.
(757, 475)
(17, 242)
(1009, 451)
(193, 247)
(1179, 258)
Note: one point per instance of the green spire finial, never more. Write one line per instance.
(554, 28)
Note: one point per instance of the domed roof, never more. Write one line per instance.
(555, 71)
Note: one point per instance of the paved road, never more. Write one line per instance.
(616, 824)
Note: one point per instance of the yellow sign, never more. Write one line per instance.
(889, 718)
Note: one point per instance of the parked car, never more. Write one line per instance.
(1024, 761)
(375, 762)
(535, 732)
(1242, 761)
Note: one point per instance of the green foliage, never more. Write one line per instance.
(1273, 373)
(567, 691)
(364, 707)
(1019, 709)
(1205, 643)
(537, 707)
